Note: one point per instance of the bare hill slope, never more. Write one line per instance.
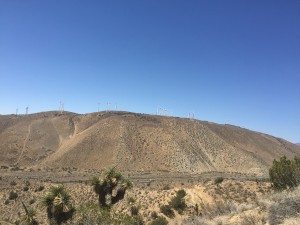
(136, 142)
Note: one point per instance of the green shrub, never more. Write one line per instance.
(160, 220)
(167, 210)
(178, 202)
(12, 195)
(154, 215)
(285, 173)
(26, 188)
(131, 200)
(134, 210)
(181, 193)
(40, 188)
(13, 183)
(166, 187)
(219, 180)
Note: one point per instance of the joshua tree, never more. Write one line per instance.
(29, 218)
(57, 201)
(111, 181)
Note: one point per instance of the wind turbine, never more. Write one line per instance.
(108, 105)
(61, 107)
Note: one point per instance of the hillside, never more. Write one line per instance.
(136, 143)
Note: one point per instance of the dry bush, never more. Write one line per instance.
(249, 220)
(286, 208)
(243, 207)
(292, 221)
(220, 207)
(197, 220)
(285, 205)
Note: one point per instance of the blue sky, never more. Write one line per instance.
(231, 61)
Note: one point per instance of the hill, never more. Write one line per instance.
(298, 144)
(136, 143)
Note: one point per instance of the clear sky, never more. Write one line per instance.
(232, 61)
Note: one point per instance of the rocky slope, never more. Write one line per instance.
(136, 142)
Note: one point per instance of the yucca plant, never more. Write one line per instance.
(57, 201)
(29, 217)
(105, 185)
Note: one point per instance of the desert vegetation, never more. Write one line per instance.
(110, 198)
(105, 185)
(285, 173)
(57, 202)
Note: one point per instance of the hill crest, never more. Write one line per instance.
(136, 142)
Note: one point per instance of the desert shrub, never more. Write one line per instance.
(178, 202)
(284, 208)
(160, 220)
(181, 193)
(12, 195)
(132, 220)
(26, 188)
(27, 183)
(285, 173)
(219, 180)
(31, 201)
(6, 202)
(13, 183)
(134, 210)
(29, 217)
(249, 220)
(131, 200)
(94, 214)
(166, 187)
(154, 215)
(199, 220)
(40, 188)
(197, 209)
(292, 221)
(218, 208)
(167, 210)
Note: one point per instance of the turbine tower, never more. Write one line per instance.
(61, 107)
(27, 110)
(108, 106)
